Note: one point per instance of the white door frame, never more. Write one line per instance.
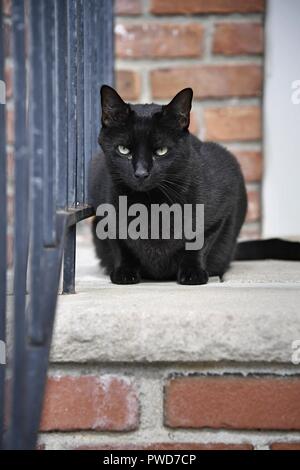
(281, 184)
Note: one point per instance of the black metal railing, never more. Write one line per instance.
(62, 53)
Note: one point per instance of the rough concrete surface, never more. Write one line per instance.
(253, 316)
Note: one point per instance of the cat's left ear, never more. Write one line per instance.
(180, 107)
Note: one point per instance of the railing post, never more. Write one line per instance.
(38, 157)
(60, 97)
(80, 105)
(69, 261)
(49, 209)
(70, 242)
(88, 57)
(90, 45)
(3, 226)
(21, 232)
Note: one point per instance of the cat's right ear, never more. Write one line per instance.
(114, 109)
(179, 108)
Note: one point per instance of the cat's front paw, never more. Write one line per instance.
(124, 275)
(192, 275)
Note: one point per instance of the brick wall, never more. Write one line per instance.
(214, 46)
(153, 408)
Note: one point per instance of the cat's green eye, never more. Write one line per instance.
(123, 150)
(161, 151)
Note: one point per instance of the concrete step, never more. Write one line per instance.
(253, 316)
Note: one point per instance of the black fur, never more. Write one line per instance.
(192, 172)
(273, 248)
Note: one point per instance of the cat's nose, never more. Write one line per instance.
(141, 173)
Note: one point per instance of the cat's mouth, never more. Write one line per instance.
(143, 185)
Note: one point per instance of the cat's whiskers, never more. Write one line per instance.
(178, 197)
(165, 192)
(177, 185)
(177, 190)
(171, 191)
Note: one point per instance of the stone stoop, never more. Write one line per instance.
(159, 365)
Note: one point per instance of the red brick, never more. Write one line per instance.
(128, 7)
(10, 209)
(251, 164)
(253, 213)
(7, 7)
(10, 249)
(285, 446)
(233, 403)
(193, 128)
(233, 123)
(10, 126)
(8, 77)
(178, 7)
(169, 446)
(238, 38)
(7, 40)
(128, 84)
(88, 402)
(10, 166)
(157, 40)
(208, 81)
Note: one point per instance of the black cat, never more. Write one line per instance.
(149, 156)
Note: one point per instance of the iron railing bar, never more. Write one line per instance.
(95, 105)
(78, 57)
(72, 85)
(70, 241)
(108, 48)
(102, 72)
(49, 223)
(76, 215)
(3, 231)
(38, 355)
(61, 128)
(21, 227)
(79, 214)
(69, 261)
(87, 92)
(80, 104)
(36, 141)
(100, 52)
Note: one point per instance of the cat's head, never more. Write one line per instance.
(145, 144)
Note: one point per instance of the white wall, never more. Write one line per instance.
(281, 189)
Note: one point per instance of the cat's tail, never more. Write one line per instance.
(272, 248)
